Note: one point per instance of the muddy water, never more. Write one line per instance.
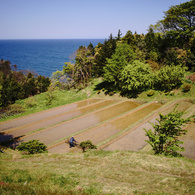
(45, 114)
(70, 127)
(106, 130)
(62, 117)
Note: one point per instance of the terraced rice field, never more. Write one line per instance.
(109, 124)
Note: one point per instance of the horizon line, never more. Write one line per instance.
(47, 38)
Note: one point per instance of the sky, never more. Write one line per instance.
(78, 19)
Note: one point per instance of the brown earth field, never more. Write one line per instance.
(109, 124)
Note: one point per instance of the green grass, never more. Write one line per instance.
(95, 172)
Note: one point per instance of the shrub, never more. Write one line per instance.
(136, 77)
(172, 93)
(15, 108)
(30, 102)
(49, 97)
(150, 92)
(32, 147)
(11, 110)
(186, 87)
(169, 77)
(87, 145)
(164, 138)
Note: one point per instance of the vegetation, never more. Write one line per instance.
(135, 63)
(165, 138)
(95, 172)
(149, 67)
(32, 147)
(16, 85)
(87, 145)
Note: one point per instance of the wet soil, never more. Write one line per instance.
(110, 128)
(73, 126)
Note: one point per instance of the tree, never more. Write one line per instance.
(154, 45)
(119, 35)
(136, 77)
(179, 23)
(103, 52)
(83, 65)
(122, 56)
(169, 77)
(5, 67)
(10, 90)
(129, 38)
(164, 138)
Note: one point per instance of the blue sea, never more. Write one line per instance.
(43, 56)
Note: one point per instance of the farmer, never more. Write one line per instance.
(72, 142)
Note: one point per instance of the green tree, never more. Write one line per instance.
(5, 67)
(129, 39)
(115, 65)
(118, 38)
(179, 23)
(169, 77)
(82, 72)
(154, 44)
(103, 52)
(136, 77)
(10, 90)
(164, 138)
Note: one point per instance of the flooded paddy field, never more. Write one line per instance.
(109, 124)
(76, 125)
(8, 125)
(135, 139)
(61, 117)
(112, 127)
(24, 125)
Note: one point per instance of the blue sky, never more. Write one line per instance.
(69, 19)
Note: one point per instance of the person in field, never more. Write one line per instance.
(72, 142)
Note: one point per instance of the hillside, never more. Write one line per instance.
(123, 163)
(95, 172)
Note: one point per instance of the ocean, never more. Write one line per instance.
(43, 56)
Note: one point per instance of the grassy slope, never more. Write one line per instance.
(95, 172)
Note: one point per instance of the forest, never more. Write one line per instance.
(128, 64)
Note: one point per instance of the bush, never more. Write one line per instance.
(11, 110)
(150, 92)
(186, 87)
(136, 77)
(32, 147)
(30, 102)
(164, 138)
(87, 145)
(49, 97)
(169, 77)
